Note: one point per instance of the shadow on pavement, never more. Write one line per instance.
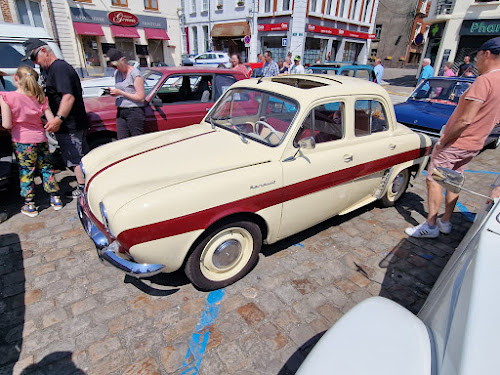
(403, 81)
(153, 285)
(59, 363)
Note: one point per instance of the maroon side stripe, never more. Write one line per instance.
(139, 153)
(202, 219)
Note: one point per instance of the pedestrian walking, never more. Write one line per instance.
(297, 67)
(236, 64)
(21, 114)
(448, 70)
(130, 94)
(64, 92)
(427, 71)
(468, 127)
(270, 68)
(379, 70)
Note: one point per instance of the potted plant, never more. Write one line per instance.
(240, 3)
(219, 6)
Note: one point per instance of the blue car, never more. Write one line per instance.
(429, 107)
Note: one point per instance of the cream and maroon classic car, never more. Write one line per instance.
(272, 157)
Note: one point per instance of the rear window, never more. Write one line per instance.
(12, 53)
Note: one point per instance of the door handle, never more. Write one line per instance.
(392, 146)
(348, 158)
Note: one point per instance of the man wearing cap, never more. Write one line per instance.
(64, 92)
(463, 137)
(297, 67)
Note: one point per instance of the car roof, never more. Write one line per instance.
(341, 65)
(309, 87)
(193, 69)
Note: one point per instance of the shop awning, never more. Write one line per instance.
(230, 29)
(156, 34)
(124, 32)
(82, 28)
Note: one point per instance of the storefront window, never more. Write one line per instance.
(273, 44)
(316, 50)
(126, 45)
(155, 48)
(91, 54)
(351, 51)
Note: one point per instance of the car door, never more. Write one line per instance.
(316, 185)
(374, 145)
(185, 100)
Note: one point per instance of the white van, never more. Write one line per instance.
(12, 37)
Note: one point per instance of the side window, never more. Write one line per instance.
(347, 72)
(202, 57)
(369, 117)
(212, 56)
(325, 123)
(183, 88)
(363, 74)
(221, 83)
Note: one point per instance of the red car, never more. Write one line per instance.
(251, 66)
(175, 97)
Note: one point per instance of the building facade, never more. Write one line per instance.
(145, 30)
(458, 28)
(28, 12)
(325, 30)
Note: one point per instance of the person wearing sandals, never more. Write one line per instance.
(21, 113)
(129, 92)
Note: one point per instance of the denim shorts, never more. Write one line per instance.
(73, 146)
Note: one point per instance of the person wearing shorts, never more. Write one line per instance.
(466, 131)
(64, 92)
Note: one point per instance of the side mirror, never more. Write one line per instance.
(156, 102)
(450, 180)
(307, 143)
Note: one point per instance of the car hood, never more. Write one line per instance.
(423, 114)
(119, 172)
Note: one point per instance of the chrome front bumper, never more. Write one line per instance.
(110, 252)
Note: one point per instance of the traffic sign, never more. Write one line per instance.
(246, 39)
(283, 42)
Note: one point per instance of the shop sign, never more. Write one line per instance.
(341, 32)
(480, 27)
(123, 18)
(282, 26)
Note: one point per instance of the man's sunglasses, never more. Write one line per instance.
(34, 55)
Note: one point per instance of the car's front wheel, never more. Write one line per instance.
(225, 255)
(396, 188)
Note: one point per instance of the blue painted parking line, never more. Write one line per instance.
(485, 172)
(201, 334)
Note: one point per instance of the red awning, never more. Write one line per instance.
(156, 34)
(124, 32)
(82, 28)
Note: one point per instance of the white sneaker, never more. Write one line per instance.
(444, 226)
(422, 231)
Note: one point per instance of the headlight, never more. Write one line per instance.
(83, 170)
(105, 218)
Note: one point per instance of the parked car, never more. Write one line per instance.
(273, 157)
(93, 87)
(209, 59)
(429, 107)
(344, 69)
(455, 332)
(175, 97)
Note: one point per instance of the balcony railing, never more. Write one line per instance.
(444, 7)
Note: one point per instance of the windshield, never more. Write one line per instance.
(257, 115)
(446, 91)
(151, 78)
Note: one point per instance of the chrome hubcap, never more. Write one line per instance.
(227, 253)
(397, 184)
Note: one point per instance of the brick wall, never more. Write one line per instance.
(6, 13)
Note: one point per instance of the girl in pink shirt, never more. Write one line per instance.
(447, 70)
(21, 114)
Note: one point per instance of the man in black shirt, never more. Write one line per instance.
(64, 92)
(465, 67)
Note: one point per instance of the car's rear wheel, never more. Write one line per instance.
(225, 255)
(396, 188)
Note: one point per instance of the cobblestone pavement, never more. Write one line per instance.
(65, 312)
